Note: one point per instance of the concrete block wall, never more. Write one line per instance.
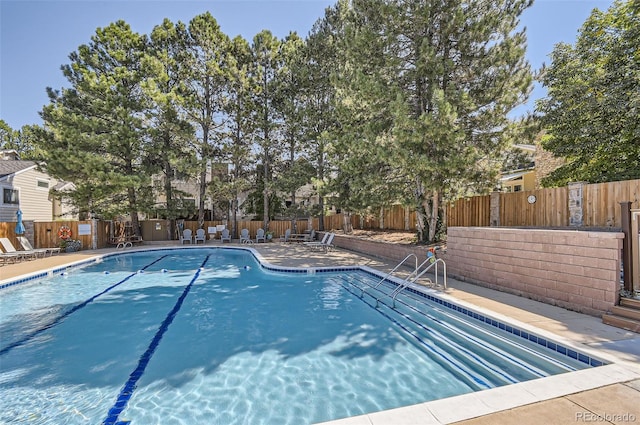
(389, 251)
(577, 270)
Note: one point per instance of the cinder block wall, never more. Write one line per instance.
(389, 251)
(577, 270)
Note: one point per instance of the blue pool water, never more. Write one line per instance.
(207, 336)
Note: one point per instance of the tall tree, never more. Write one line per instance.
(96, 128)
(204, 96)
(430, 84)
(267, 62)
(291, 100)
(591, 110)
(320, 123)
(240, 127)
(170, 132)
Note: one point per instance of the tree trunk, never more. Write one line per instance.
(346, 222)
(321, 215)
(203, 191)
(433, 219)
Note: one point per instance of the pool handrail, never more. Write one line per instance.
(394, 269)
(408, 282)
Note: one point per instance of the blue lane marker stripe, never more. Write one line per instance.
(129, 387)
(60, 318)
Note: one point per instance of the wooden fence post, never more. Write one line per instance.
(625, 218)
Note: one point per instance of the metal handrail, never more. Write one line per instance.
(391, 272)
(408, 282)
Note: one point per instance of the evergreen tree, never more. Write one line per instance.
(95, 130)
(266, 63)
(204, 95)
(170, 132)
(240, 128)
(428, 87)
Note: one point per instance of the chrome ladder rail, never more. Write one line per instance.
(391, 272)
(408, 282)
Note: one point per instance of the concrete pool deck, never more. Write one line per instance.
(606, 394)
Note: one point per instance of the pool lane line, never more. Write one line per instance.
(63, 316)
(130, 386)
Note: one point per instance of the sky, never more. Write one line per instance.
(37, 36)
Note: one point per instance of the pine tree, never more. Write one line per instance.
(429, 85)
(204, 95)
(96, 129)
(170, 132)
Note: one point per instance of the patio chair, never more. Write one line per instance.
(315, 244)
(328, 244)
(311, 237)
(10, 249)
(186, 236)
(225, 236)
(244, 236)
(10, 257)
(26, 245)
(286, 236)
(201, 236)
(260, 236)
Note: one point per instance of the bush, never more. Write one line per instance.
(71, 245)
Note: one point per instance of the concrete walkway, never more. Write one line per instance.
(607, 394)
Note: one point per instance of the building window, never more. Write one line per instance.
(517, 188)
(42, 184)
(10, 196)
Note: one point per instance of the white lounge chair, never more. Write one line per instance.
(201, 236)
(315, 244)
(186, 236)
(244, 236)
(225, 236)
(328, 244)
(10, 249)
(26, 245)
(260, 236)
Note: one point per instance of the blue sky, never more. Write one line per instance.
(36, 37)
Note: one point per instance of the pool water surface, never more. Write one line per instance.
(207, 336)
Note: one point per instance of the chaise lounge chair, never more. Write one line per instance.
(10, 249)
(326, 244)
(26, 245)
(315, 244)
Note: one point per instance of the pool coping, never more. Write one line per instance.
(447, 410)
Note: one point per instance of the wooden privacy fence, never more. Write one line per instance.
(578, 205)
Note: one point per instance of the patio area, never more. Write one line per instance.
(607, 394)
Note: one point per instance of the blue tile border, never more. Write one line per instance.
(543, 342)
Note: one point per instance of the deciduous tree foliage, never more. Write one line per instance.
(593, 102)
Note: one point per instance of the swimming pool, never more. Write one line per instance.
(208, 336)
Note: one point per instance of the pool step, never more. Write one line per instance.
(625, 316)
